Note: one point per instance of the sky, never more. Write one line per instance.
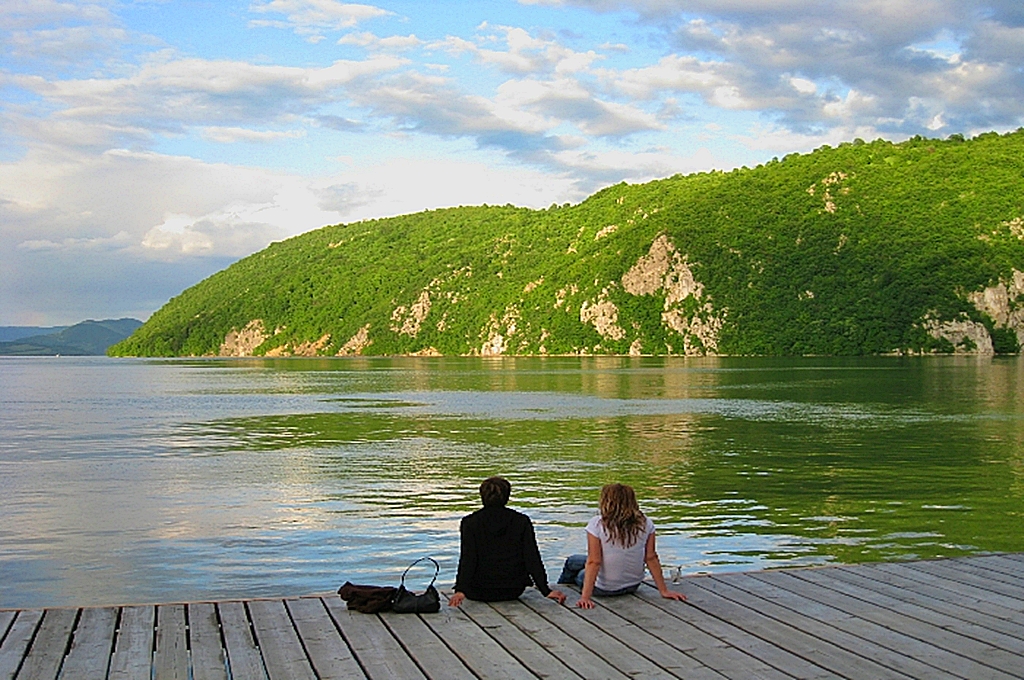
(146, 144)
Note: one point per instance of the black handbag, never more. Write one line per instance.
(427, 602)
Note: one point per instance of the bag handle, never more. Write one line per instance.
(437, 569)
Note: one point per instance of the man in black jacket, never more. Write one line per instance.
(499, 556)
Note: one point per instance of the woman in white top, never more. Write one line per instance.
(620, 543)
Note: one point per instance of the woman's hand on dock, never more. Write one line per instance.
(673, 595)
(557, 595)
(456, 599)
(585, 603)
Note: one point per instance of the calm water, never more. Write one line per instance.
(144, 481)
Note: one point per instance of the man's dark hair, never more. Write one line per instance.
(495, 491)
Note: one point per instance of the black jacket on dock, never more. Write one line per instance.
(499, 556)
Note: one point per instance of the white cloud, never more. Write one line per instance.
(373, 43)
(166, 96)
(891, 53)
(120, 240)
(673, 73)
(803, 86)
(566, 99)
(312, 16)
(403, 186)
(66, 44)
(525, 54)
(26, 14)
(229, 135)
(603, 167)
(80, 200)
(780, 140)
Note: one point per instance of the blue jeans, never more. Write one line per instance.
(574, 570)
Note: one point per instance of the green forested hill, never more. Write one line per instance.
(866, 248)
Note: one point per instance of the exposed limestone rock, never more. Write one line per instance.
(647, 276)
(544, 335)
(242, 343)
(700, 335)
(1016, 226)
(604, 316)
(357, 343)
(833, 179)
(408, 321)
(1003, 303)
(532, 285)
(610, 229)
(636, 348)
(967, 337)
(427, 352)
(564, 293)
(494, 346)
(498, 333)
(665, 269)
(309, 348)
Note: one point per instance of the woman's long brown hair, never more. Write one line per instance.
(620, 514)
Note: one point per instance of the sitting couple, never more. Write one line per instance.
(499, 556)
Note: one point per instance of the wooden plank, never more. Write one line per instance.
(1013, 581)
(750, 638)
(818, 659)
(999, 592)
(283, 655)
(611, 620)
(1002, 563)
(939, 600)
(582, 626)
(955, 592)
(528, 651)
(49, 645)
(378, 653)
(92, 644)
(571, 651)
(798, 634)
(729, 631)
(133, 647)
(891, 648)
(170, 658)
(971, 632)
(244, 659)
(208, 659)
(16, 643)
(897, 616)
(330, 656)
(425, 647)
(680, 630)
(475, 648)
(7, 617)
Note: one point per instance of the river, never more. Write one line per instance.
(136, 481)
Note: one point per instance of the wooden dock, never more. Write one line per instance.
(944, 619)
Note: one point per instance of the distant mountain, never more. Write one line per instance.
(11, 333)
(868, 248)
(85, 338)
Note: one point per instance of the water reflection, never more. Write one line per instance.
(130, 481)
